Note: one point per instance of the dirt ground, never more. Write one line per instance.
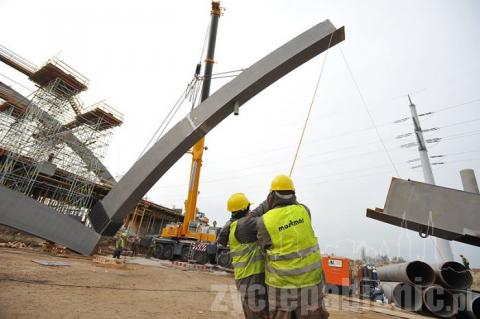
(155, 289)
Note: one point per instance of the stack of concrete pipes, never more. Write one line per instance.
(441, 290)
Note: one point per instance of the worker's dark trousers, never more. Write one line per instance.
(117, 252)
(253, 292)
(300, 303)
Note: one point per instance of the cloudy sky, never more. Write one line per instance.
(140, 55)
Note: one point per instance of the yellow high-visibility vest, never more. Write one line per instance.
(293, 260)
(247, 258)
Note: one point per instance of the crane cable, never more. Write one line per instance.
(166, 120)
(365, 106)
(310, 109)
(190, 93)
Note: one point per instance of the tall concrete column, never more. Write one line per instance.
(443, 250)
(469, 181)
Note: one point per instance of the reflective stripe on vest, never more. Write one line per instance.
(293, 260)
(247, 258)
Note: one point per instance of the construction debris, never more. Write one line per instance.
(107, 261)
(50, 263)
(53, 248)
(188, 266)
(15, 244)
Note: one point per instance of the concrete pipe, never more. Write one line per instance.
(415, 273)
(403, 295)
(453, 275)
(468, 303)
(440, 302)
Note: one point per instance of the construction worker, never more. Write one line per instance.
(465, 262)
(119, 246)
(240, 234)
(293, 269)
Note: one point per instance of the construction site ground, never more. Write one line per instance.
(85, 287)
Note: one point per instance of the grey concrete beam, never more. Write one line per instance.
(107, 215)
(432, 210)
(28, 215)
(469, 180)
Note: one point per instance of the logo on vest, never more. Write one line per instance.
(291, 224)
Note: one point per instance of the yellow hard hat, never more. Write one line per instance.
(237, 202)
(282, 183)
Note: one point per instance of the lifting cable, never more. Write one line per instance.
(166, 120)
(310, 109)
(190, 93)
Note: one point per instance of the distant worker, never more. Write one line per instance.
(119, 246)
(134, 243)
(465, 262)
(240, 234)
(293, 269)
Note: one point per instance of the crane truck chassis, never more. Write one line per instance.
(188, 250)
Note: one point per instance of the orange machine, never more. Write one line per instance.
(337, 274)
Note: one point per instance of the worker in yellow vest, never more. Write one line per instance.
(293, 268)
(248, 262)
(119, 245)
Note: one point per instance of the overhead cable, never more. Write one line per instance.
(368, 112)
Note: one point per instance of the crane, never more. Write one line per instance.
(180, 240)
(107, 215)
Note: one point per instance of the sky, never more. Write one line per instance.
(140, 56)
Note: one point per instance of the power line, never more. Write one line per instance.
(436, 83)
(368, 112)
(322, 179)
(460, 123)
(461, 135)
(461, 153)
(456, 106)
(310, 142)
(349, 178)
(335, 159)
(230, 177)
(381, 102)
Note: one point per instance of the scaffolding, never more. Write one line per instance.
(16, 61)
(39, 162)
(52, 146)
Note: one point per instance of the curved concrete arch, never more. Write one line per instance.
(107, 215)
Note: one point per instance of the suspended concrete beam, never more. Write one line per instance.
(87, 156)
(28, 215)
(107, 215)
(431, 210)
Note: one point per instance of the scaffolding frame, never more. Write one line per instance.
(34, 146)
